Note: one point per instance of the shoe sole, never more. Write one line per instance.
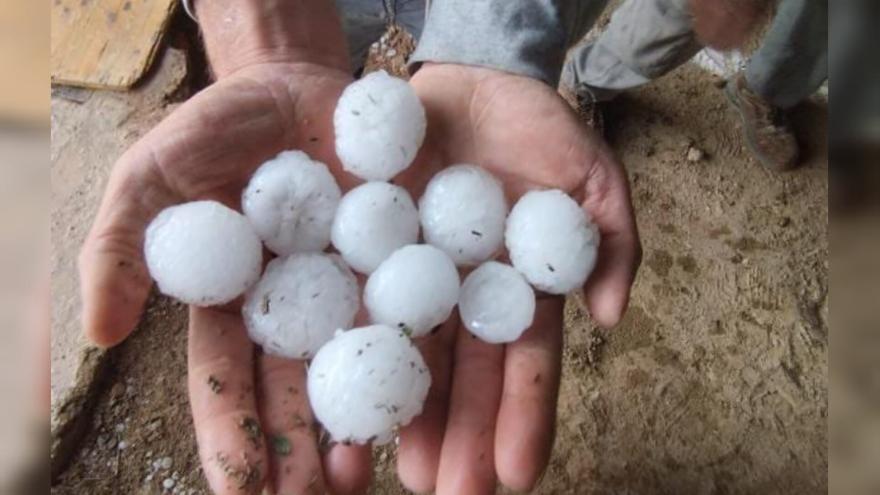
(597, 122)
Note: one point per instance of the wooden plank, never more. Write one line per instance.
(106, 43)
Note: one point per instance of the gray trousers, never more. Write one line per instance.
(648, 38)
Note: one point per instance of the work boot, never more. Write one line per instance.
(587, 108)
(768, 133)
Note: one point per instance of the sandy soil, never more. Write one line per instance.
(714, 383)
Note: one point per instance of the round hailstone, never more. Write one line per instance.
(551, 241)
(496, 303)
(366, 382)
(291, 201)
(299, 303)
(374, 220)
(462, 212)
(380, 125)
(202, 253)
(414, 290)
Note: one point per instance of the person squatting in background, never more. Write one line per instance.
(648, 38)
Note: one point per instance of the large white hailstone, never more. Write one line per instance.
(380, 125)
(374, 220)
(291, 201)
(202, 253)
(366, 382)
(414, 290)
(496, 303)
(462, 212)
(299, 303)
(552, 241)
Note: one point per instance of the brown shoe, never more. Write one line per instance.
(587, 109)
(768, 133)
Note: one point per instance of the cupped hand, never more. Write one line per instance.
(491, 410)
(252, 419)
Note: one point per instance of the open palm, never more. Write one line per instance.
(491, 409)
(208, 149)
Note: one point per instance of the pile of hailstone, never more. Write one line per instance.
(365, 382)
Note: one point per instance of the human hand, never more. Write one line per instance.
(273, 93)
(491, 409)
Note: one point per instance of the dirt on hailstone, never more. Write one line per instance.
(715, 382)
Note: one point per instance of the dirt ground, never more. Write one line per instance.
(714, 383)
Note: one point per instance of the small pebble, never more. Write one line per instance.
(166, 462)
(168, 483)
(695, 154)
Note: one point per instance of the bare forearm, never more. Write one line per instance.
(239, 33)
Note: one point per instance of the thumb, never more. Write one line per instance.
(114, 281)
(607, 200)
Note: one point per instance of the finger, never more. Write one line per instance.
(294, 461)
(607, 200)
(348, 469)
(232, 446)
(607, 290)
(467, 461)
(527, 416)
(114, 281)
(418, 455)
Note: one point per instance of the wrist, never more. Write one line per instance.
(239, 33)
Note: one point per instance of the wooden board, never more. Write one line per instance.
(106, 43)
